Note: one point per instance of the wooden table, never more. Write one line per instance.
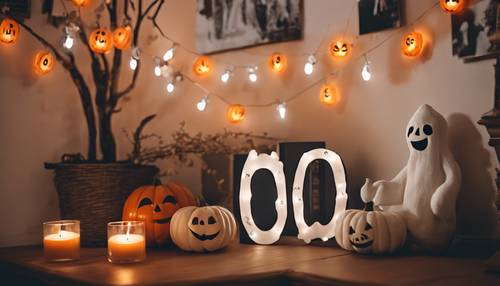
(285, 264)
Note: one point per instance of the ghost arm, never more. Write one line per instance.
(389, 193)
(444, 198)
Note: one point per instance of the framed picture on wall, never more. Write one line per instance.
(17, 8)
(475, 32)
(378, 15)
(230, 24)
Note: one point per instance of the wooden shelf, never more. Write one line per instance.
(285, 264)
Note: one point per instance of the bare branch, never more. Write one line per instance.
(155, 15)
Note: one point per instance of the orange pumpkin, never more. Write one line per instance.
(412, 44)
(277, 62)
(155, 205)
(452, 6)
(122, 37)
(202, 66)
(329, 95)
(339, 48)
(81, 3)
(235, 113)
(44, 63)
(100, 41)
(9, 31)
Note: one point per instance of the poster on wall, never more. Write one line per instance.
(378, 15)
(230, 24)
(474, 31)
(17, 8)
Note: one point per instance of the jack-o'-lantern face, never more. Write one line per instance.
(202, 66)
(339, 49)
(235, 113)
(277, 62)
(361, 236)
(9, 31)
(328, 95)
(155, 205)
(122, 37)
(100, 41)
(412, 44)
(43, 63)
(452, 6)
(203, 225)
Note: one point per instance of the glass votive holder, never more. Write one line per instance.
(61, 240)
(126, 241)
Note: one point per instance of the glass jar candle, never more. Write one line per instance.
(61, 240)
(126, 241)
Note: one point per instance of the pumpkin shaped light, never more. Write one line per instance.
(155, 205)
(122, 36)
(203, 229)
(329, 95)
(202, 66)
(100, 41)
(452, 6)
(43, 63)
(9, 31)
(81, 3)
(235, 113)
(277, 62)
(370, 232)
(340, 49)
(412, 44)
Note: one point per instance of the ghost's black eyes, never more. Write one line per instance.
(427, 129)
(410, 131)
(195, 221)
(351, 230)
(368, 226)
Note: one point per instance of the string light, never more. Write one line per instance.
(252, 74)
(366, 72)
(157, 70)
(169, 54)
(68, 41)
(170, 87)
(228, 73)
(202, 104)
(309, 66)
(133, 63)
(281, 108)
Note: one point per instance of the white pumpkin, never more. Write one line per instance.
(370, 232)
(203, 228)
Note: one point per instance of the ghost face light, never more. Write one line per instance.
(317, 230)
(253, 163)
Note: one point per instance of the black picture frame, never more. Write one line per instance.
(389, 16)
(17, 8)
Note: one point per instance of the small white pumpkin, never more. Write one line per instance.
(367, 231)
(202, 228)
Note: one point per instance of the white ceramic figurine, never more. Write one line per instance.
(425, 191)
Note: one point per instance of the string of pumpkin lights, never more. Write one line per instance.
(412, 45)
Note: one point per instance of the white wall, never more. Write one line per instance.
(41, 117)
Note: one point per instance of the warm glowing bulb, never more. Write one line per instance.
(68, 41)
(169, 54)
(226, 76)
(281, 110)
(133, 64)
(202, 104)
(170, 87)
(366, 72)
(157, 70)
(252, 75)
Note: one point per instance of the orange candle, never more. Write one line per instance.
(126, 242)
(61, 241)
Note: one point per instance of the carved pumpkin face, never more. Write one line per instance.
(155, 205)
(339, 49)
(452, 6)
(412, 44)
(235, 113)
(122, 37)
(81, 3)
(44, 63)
(203, 229)
(329, 95)
(277, 62)
(100, 41)
(202, 66)
(9, 31)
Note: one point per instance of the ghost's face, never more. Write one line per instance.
(419, 136)
(426, 130)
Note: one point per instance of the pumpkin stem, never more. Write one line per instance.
(369, 206)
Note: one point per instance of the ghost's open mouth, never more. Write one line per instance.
(420, 145)
(204, 237)
(362, 245)
(163, 220)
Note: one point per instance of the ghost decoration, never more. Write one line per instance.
(425, 191)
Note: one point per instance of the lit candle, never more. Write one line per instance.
(126, 242)
(61, 240)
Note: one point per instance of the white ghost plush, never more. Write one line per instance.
(425, 191)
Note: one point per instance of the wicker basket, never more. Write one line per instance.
(95, 194)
